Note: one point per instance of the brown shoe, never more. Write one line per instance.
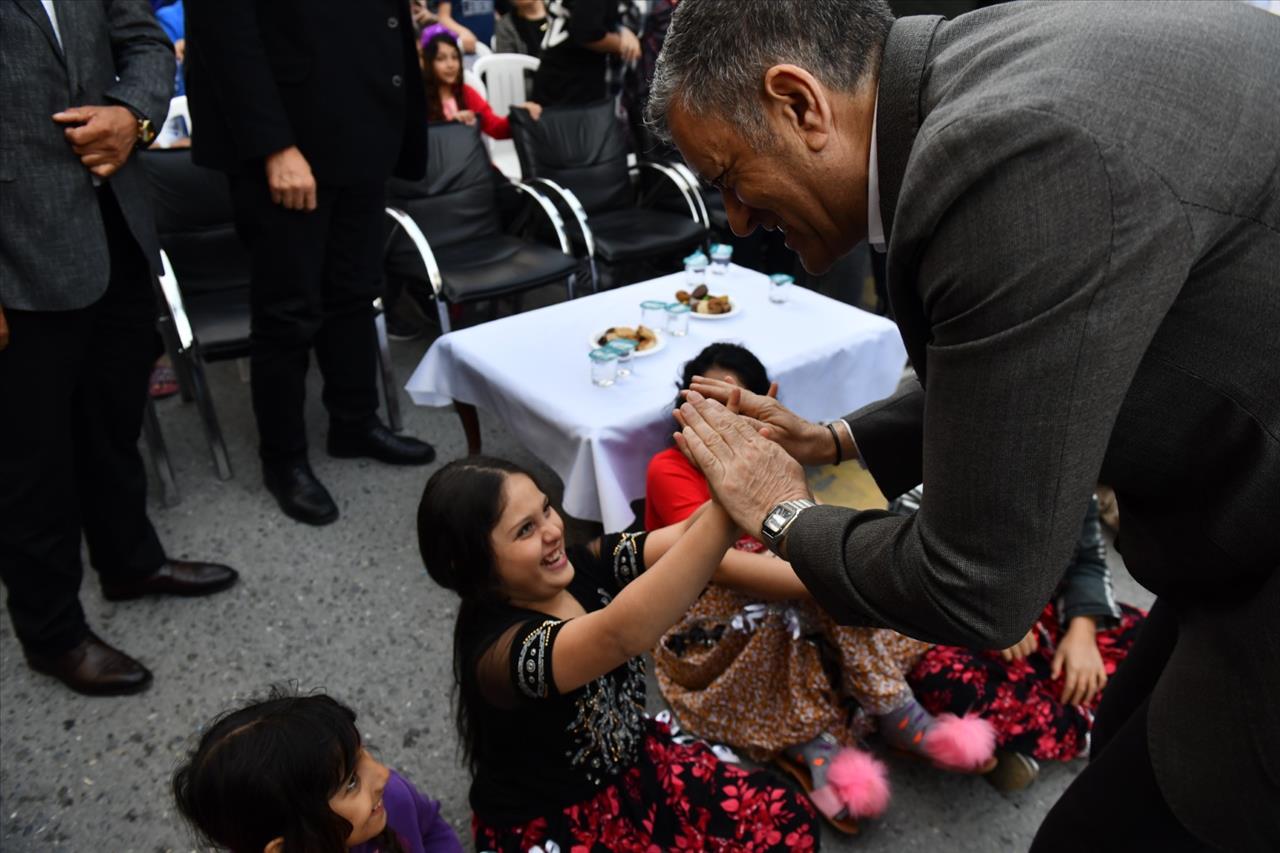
(1013, 771)
(94, 669)
(174, 577)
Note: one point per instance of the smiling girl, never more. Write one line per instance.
(289, 774)
(551, 685)
(451, 99)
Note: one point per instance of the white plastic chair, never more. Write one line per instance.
(475, 81)
(177, 125)
(504, 75)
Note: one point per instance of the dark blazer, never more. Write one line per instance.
(53, 250)
(338, 79)
(1082, 203)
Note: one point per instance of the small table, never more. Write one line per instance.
(531, 370)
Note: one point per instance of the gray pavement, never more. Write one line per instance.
(346, 608)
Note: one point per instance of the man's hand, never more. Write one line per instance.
(628, 45)
(1078, 657)
(533, 108)
(290, 180)
(102, 137)
(4, 329)
(1024, 647)
(748, 474)
(807, 442)
(180, 49)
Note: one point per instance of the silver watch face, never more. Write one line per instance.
(778, 518)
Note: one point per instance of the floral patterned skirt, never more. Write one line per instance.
(677, 797)
(764, 677)
(1018, 697)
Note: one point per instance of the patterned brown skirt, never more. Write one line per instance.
(761, 677)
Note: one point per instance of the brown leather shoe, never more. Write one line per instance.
(174, 577)
(94, 669)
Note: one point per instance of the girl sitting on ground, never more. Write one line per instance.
(550, 679)
(451, 99)
(289, 774)
(756, 664)
(1042, 693)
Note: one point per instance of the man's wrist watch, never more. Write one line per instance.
(146, 131)
(779, 520)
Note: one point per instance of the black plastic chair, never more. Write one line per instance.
(578, 154)
(447, 231)
(205, 285)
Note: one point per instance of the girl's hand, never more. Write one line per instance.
(533, 109)
(1024, 647)
(467, 117)
(1079, 659)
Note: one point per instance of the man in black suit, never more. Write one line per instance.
(82, 85)
(309, 106)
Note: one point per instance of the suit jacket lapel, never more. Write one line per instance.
(35, 10)
(898, 118)
(71, 25)
(897, 123)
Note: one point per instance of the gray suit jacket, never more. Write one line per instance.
(53, 251)
(1082, 203)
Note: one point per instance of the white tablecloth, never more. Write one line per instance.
(531, 370)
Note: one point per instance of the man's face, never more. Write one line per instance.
(790, 187)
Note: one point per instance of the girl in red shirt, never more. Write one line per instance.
(757, 664)
(450, 99)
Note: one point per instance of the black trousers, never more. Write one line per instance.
(1116, 804)
(73, 387)
(315, 276)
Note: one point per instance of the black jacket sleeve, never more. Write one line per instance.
(225, 37)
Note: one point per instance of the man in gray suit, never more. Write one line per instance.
(81, 85)
(1081, 206)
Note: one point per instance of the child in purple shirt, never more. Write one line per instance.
(290, 774)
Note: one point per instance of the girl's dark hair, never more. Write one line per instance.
(435, 108)
(739, 359)
(460, 506)
(268, 771)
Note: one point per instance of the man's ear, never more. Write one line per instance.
(275, 845)
(795, 101)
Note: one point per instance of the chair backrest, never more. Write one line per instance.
(177, 125)
(456, 201)
(474, 80)
(581, 148)
(194, 221)
(504, 75)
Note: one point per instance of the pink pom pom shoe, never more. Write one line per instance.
(964, 744)
(843, 783)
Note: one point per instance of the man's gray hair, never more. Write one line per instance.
(717, 52)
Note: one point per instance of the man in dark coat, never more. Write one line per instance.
(1081, 206)
(82, 85)
(309, 106)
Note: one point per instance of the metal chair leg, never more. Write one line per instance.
(209, 416)
(384, 368)
(169, 495)
(442, 308)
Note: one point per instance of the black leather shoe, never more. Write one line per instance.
(301, 496)
(94, 669)
(378, 442)
(174, 577)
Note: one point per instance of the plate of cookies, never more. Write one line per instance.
(647, 340)
(705, 306)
